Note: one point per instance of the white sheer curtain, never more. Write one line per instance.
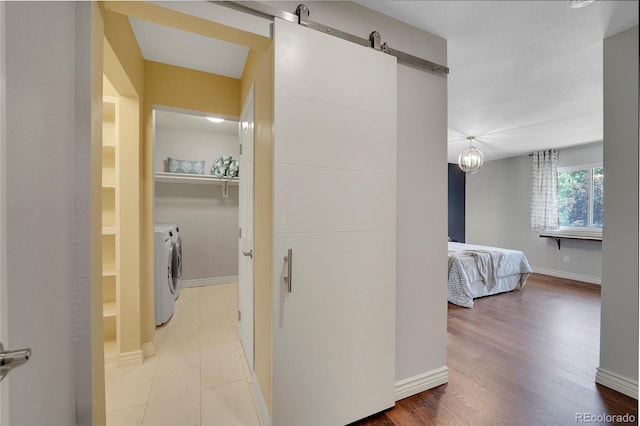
(544, 190)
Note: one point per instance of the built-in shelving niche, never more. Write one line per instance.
(110, 281)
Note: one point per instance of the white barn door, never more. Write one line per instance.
(335, 209)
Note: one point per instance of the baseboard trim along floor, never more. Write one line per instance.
(208, 281)
(421, 382)
(617, 382)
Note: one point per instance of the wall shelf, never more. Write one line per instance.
(560, 237)
(192, 178)
(110, 240)
(108, 270)
(108, 230)
(109, 309)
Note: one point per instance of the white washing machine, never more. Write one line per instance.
(176, 262)
(165, 290)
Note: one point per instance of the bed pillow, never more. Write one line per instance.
(185, 166)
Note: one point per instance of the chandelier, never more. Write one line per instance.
(470, 159)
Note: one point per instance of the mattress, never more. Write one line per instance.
(477, 271)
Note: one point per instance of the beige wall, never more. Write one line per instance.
(123, 66)
(128, 185)
(619, 313)
(258, 73)
(184, 88)
(122, 41)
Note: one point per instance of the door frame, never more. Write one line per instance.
(246, 304)
(4, 391)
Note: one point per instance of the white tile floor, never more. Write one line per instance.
(199, 375)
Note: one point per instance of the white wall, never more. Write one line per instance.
(498, 213)
(619, 314)
(421, 323)
(586, 154)
(188, 144)
(422, 223)
(48, 226)
(208, 222)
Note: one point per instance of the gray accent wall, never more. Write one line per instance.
(208, 222)
(619, 315)
(498, 213)
(456, 204)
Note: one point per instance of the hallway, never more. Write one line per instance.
(199, 375)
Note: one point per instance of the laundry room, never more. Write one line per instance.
(178, 187)
(196, 190)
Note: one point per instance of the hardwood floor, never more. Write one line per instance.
(527, 357)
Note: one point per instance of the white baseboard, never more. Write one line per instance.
(149, 348)
(616, 382)
(261, 405)
(422, 382)
(128, 359)
(568, 275)
(208, 281)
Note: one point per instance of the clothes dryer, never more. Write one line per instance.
(165, 291)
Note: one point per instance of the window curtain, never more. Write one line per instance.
(544, 190)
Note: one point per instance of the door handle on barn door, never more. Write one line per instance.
(248, 253)
(12, 359)
(289, 259)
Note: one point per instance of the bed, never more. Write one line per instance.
(478, 271)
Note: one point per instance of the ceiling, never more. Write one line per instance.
(525, 75)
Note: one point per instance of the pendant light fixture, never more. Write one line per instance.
(470, 159)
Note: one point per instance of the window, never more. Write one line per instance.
(580, 196)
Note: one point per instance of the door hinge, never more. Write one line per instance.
(239, 316)
(240, 149)
(240, 233)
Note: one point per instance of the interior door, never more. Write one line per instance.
(45, 216)
(335, 222)
(245, 197)
(3, 214)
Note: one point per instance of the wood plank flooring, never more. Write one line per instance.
(522, 358)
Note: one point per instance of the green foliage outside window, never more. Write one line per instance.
(580, 198)
(598, 196)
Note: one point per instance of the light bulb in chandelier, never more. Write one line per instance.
(470, 159)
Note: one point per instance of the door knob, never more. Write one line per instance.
(248, 253)
(12, 359)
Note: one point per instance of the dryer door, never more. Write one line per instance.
(176, 262)
(173, 281)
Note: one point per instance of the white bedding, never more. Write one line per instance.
(477, 271)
